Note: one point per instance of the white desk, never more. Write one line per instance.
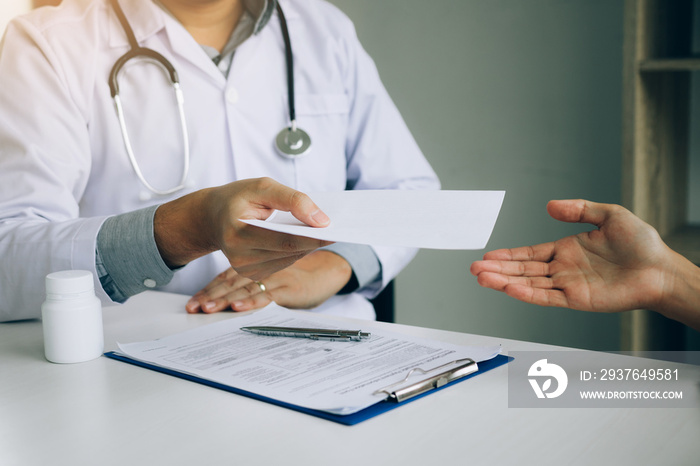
(106, 412)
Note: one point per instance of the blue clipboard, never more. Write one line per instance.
(348, 420)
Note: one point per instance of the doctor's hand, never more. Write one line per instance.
(207, 220)
(620, 266)
(304, 285)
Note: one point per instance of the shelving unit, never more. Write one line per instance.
(656, 113)
(672, 64)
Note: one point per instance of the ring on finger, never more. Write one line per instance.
(262, 286)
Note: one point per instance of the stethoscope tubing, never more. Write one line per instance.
(137, 51)
(130, 152)
(290, 66)
(291, 142)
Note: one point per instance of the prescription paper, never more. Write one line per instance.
(419, 219)
(333, 376)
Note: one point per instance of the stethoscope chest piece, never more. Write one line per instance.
(292, 142)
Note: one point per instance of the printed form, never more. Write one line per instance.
(333, 376)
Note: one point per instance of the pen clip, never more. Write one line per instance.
(464, 367)
(317, 336)
(356, 335)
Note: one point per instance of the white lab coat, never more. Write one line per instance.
(64, 169)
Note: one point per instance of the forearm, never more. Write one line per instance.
(681, 298)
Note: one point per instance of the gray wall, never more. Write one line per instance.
(521, 95)
(694, 152)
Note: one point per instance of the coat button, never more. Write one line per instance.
(232, 95)
(149, 283)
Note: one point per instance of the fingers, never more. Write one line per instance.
(581, 211)
(254, 295)
(541, 252)
(225, 281)
(257, 270)
(305, 210)
(256, 252)
(534, 290)
(238, 295)
(511, 268)
(277, 196)
(207, 299)
(206, 305)
(537, 296)
(254, 300)
(276, 244)
(500, 282)
(268, 251)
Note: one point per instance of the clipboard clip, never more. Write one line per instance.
(463, 368)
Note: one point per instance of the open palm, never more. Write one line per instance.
(616, 267)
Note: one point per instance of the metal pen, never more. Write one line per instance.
(311, 333)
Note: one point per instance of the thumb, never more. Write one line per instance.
(579, 211)
(300, 205)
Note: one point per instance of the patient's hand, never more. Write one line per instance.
(619, 266)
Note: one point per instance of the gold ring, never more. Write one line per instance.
(263, 288)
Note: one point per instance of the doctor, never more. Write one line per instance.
(147, 196)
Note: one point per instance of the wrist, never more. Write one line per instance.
(179, 229)
(334, 269)
(680, 299)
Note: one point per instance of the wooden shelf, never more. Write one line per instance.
(686, 241)
(657, 61)
(669, 64)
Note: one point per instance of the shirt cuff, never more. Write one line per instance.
(365, 264)
(127, 257)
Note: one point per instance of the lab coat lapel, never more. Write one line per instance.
(144, 17)
(257, 48)
(147, 20)
(244, 56)
(183, 45)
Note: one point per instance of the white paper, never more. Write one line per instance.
(338, 377)
(420, 219)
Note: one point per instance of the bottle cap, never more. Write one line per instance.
(69, 282)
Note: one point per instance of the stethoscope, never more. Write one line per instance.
(291, 142)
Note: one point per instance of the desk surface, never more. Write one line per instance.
(109, 413)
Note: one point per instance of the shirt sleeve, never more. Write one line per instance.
(365, 265)
(127, 257)
(45, 162)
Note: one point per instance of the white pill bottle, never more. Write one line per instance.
(72, 318)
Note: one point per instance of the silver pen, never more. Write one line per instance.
(311, 333)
